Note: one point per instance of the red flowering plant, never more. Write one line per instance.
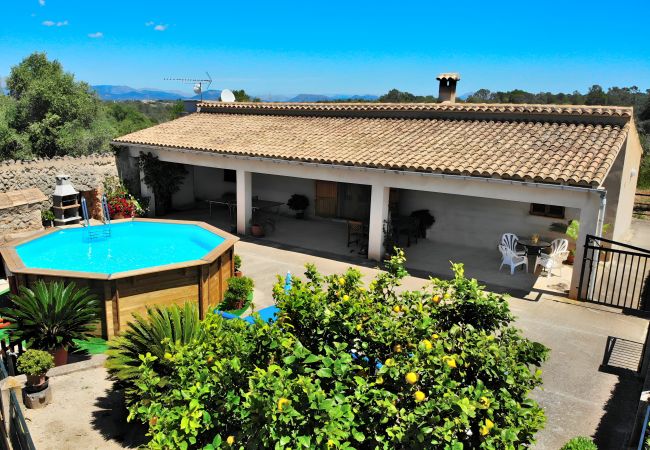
(121, 206)
(120, 201)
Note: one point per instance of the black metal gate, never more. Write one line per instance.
(615, 274)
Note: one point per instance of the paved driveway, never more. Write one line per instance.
(579, 399)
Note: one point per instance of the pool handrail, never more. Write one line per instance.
(107, 214)
(84, 211)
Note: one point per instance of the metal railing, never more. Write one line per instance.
(615, 274)
(18, 435)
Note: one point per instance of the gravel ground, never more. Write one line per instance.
(85, 413)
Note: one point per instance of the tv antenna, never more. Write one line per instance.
(198, 83)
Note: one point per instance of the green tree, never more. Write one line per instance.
(57, 113)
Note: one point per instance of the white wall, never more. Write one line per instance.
(209, 183)
(279, 189)
(478, 222)
(184, 198)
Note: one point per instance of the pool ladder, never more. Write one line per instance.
(98, 232)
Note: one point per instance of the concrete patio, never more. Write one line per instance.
(328, 238)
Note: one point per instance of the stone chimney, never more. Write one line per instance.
(447, 92)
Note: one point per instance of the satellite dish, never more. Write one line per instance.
(197, 88)
(227, 96)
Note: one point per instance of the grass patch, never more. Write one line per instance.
(92, 346)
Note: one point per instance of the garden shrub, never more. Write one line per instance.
(154, 334)
(239, 288)
(35, 362)
(51, 315)
(348, 366)
(580, 443)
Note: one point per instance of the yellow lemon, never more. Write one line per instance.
(436, 299)
(359, 327)
(397, 348)
(346, 298)
(330, 443)
(484, 401)
(451, 362)
(484, 430)
(489, 424)
(419, 396)
(396, 308)
(341, 281)
(435, 336)
(380, 380)
(427, 344)
(230, 440)
(411, 378)
(390, 362)
(282, 402)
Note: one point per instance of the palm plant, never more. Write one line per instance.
(50, 315)
(156, 333)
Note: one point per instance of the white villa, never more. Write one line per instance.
(481, 169)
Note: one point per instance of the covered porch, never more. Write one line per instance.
(328, 238)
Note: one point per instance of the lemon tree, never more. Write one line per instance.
(351, 366)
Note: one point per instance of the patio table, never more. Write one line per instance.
(533, 249)
(258, 205)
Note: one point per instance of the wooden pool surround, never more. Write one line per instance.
(201, 281)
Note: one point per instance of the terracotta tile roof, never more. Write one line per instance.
(559, 149)
(445, 109)
(11, 199)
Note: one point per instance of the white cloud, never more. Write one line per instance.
(41, 2)
(160, 27)
(51, 23)
(97, 35)
(148, 24)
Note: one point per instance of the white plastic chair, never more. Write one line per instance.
(510, 240)
(558, 253)
(510, 258)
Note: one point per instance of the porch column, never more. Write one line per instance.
(588, 225)
(378, 214)
(244, 200)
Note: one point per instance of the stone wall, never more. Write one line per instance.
(18, 220)
(86, 172)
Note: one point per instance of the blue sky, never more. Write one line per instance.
(336, 46)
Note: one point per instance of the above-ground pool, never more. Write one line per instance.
(119, 247)
(129, 265)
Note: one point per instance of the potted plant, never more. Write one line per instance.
(238, 293)
(299, 204)
(425, 221)
(237, 263)
(35, 364)
(47, 216)
(389, 240)
(49, 316)
(164, 179)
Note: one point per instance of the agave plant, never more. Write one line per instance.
(155, 333)
(50, 315)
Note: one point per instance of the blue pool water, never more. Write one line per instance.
(131, 246)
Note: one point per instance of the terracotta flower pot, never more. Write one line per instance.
(238, 273)
(257, 230)
(60, 356)
(36, 380)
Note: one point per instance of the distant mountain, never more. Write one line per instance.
(210, 94)
(123, 93)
